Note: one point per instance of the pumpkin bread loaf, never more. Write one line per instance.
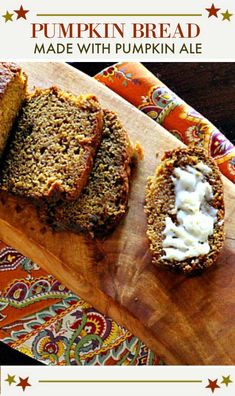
(185, 211)
(13, 84)
(54, 142)
(104, 200)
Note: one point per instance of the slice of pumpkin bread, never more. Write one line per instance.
(13, 84)
(104, 200)
(55, 139)
(185, 211)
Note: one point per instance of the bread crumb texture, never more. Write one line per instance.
(104, 200)
(13, 83)
(160, 201)
(55, 138)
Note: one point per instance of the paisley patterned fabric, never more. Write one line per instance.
(43, 319)
(71, 332)
(140, 87)
(24, 286)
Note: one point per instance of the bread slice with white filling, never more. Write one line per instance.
(185, 211)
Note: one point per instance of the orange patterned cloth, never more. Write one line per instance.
(44, 320)
(140, 87)
(25, 288)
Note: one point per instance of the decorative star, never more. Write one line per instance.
(212, 385)
(21, 13)
(8, 17)
(226, 15)
(213, 11)
(226, 380)
(11, 379)
(23, 382)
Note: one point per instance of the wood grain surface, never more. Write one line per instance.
(185, 320)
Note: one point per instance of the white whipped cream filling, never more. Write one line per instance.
(195, 217)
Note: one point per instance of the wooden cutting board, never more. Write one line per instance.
(185, 320)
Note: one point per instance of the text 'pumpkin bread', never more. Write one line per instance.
(104, 200)
(13, 84)
(54, 142)
(185, 211)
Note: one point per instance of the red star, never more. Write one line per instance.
(23, 382)
(212, 385)
(213, 11)
(21, 13)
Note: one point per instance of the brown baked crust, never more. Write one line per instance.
(56, 137)
(13, 84)
(8, 71)
(104, 200)
(160, 200)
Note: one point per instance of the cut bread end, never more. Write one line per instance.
(13, 84)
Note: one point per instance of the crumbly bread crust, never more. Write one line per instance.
(104, 200)
(160, 199)
(8, 70)
(55, 139)
(13, 83)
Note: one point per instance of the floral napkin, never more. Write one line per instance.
(139, 86)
